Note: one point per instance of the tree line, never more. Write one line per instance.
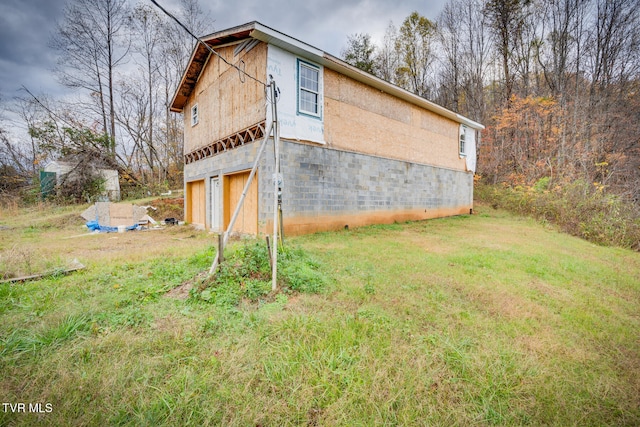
(123, 62)
(556, 82)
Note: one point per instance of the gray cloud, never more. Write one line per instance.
(26, 27)
(25, 58)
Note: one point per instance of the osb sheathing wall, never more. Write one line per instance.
(363, 119)
(225, 104)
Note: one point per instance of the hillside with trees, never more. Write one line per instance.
(556, 83)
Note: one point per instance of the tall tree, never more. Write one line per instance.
(613, 67)
(449, 35)
(561, 35)
(148, 30)
(615, 42)
(559, 56)
(415, 45)
(176, 49)
(360, 52)
(387, 57)
(18, 161)
(91, 44)
(464, 52)
(507, 20)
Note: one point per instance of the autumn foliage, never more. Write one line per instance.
(580, 173)
(523, 144)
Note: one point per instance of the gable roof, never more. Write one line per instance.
(268, 35)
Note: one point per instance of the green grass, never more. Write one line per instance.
(488, 319)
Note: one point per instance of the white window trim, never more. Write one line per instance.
(317, 113)
(194, 114)
(462, 141)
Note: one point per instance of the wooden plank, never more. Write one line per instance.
(188, 202)
(77, 266)
(365, 120)
(247, 221)
(196, 206)
(225, 103)
(120, 214)
(201, 213)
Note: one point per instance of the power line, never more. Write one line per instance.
(50, 111)
(241, 71)
(273, 100)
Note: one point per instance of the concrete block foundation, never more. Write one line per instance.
(326, 189)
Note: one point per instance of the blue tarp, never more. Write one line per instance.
(95, 226)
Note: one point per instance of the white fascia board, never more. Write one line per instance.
(276, 38)
(472, 124)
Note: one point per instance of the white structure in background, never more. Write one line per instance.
(110, 176)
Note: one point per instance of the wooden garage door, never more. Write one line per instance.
(196, 203)
(247, 221)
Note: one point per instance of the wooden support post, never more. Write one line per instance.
(269, 250)
(221, 247)
(216, 261)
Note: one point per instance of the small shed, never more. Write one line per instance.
(55, 171)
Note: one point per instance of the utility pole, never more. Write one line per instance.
(274, 131)
(276, 181)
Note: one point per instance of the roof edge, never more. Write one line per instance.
(274, 37)
(343, 67)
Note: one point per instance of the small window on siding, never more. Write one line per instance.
(308, 89)
(463, 148)
(194, 115)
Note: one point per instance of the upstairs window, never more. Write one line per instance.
(463, 132)
(308, 89)
(194, 115)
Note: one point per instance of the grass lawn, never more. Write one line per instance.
(488, 319)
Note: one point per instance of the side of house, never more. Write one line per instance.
(224, 115)
(354, 150)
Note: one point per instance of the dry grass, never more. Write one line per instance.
(478, 320)
(46, 233)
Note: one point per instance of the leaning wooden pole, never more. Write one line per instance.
(225, 236)
(276, 184)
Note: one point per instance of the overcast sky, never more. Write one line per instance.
(26, 27)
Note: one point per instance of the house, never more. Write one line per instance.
(354, 149)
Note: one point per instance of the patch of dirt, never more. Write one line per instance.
(182, 291)
(66, 220)
(502, 304)
(511, 306)
(541, 344)
(167, 208)
(549, 291)
(315, 416)
(165, 324)
(45, 248)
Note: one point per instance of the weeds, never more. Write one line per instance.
(577, 208)
(22, 261)
(24, 341)
(246, 273)
(17, 261)
(300, 272)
